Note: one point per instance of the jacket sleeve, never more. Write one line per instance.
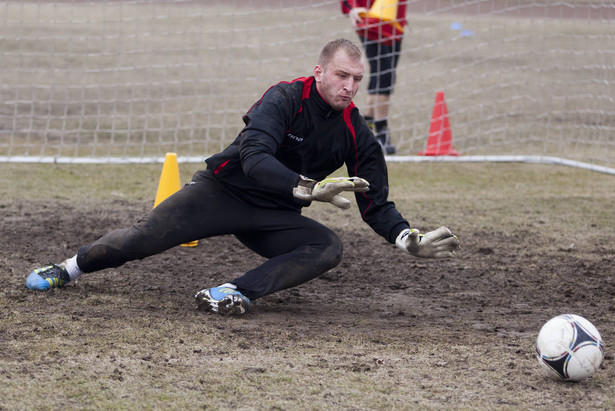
(368, 162)
(347, 5)
(266, 124)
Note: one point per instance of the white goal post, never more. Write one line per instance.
(127, 81)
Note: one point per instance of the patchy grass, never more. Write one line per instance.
(381, 331)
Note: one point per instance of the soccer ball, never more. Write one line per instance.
(569, 346)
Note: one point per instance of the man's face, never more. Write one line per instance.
(340, 80)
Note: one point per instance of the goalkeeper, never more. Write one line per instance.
(294, 137)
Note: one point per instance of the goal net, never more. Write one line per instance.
(110, 80)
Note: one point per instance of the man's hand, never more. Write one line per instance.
(328, 189)
(439, 243)
(356, 15)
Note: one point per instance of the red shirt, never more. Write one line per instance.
(376, 29)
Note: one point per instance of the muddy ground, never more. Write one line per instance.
(466, 325)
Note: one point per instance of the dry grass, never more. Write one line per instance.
(111, 343)
(123, 341)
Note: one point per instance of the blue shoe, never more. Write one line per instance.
(46, 278)
(223, 300)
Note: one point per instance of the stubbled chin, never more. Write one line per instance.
(342, 104)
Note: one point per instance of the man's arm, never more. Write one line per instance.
(266, 125)
(380, 213)
(368, 162)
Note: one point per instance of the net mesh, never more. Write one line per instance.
(137, 79)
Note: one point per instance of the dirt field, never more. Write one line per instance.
(381, 331)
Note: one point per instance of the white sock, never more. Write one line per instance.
(229, 285)
(72, 268)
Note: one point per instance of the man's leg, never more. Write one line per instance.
(299, 249)
(189, 214)
(200, 209)
(382, 60)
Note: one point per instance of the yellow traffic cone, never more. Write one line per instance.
(169, 184)
(385, 10)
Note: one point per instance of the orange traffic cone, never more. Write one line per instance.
(439, 142)
(169, 184)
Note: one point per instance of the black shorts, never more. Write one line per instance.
(382, 61)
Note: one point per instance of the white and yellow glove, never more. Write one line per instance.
(439, 243)
(328, 189)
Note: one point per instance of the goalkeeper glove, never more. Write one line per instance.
(435, 244)
(328, 189)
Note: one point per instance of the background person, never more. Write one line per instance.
(382, 43)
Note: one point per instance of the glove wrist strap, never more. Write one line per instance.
(400, 241)
(303, 189)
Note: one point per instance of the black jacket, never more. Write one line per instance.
(292, 130)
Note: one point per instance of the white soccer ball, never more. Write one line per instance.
(569, 346)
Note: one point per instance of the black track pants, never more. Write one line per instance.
(298, 248)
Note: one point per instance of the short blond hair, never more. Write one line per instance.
(329, 50)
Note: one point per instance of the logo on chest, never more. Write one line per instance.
(294, 137)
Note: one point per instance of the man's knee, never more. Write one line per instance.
(332, 250)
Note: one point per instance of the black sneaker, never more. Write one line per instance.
(385, 142)
(222, 300)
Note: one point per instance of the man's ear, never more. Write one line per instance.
(318, 70)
